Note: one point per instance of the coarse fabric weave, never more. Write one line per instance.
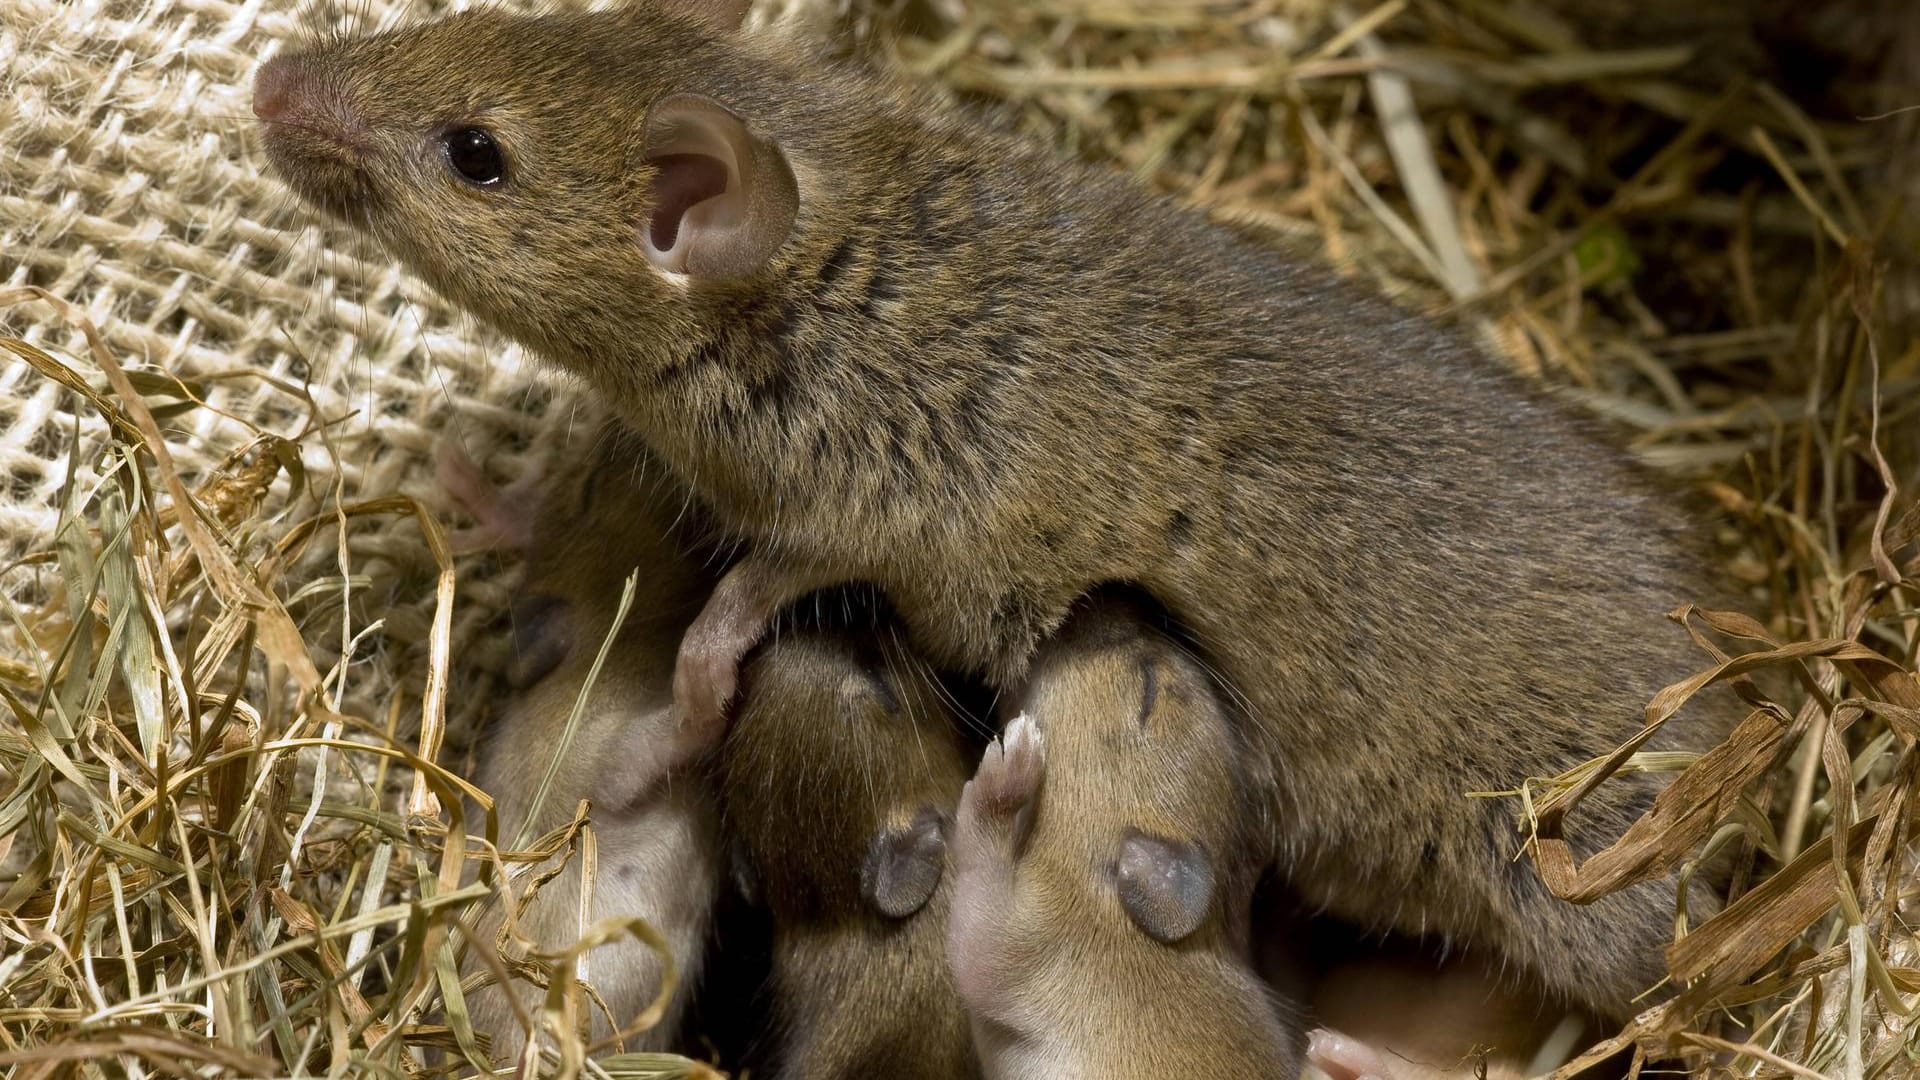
(132, 184)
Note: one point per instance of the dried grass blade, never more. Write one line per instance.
(154, 1044)
(1683, 814)
(1738, 941)
(136, 657)
(1412, 153)
(279, 635)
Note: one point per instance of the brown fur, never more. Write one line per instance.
(986, 380)
(839, 739)
(606, 514)
(1121, 735)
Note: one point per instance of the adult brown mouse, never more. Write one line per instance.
(590, 521)
(884, 341)
(1104, 881)
(840, 779)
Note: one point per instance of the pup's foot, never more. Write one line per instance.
(996, 810)
(503, 517)
(997, 802)
(1342, 1057)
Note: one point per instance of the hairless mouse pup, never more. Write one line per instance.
(1403, 1016)
(840, 780)
(883, 341)
(605, 514)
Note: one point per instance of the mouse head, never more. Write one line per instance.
(862, 830)
(531, 168)
(1127, 710)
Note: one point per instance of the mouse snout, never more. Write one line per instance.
(310, 130)
(271, 85)
(276, 86)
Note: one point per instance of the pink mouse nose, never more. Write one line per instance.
(313, 138)
(278, 86)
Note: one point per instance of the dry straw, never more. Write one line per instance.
(233, 838)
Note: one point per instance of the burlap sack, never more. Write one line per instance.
(132, 184)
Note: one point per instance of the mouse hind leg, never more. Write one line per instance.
(1606, 956)
(1459, 878)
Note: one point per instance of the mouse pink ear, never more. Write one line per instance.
(724, 198)
(904, 865)
(722, 15)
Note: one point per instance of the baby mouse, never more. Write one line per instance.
(883, 341)
(1101, 911)
(1397, 1009)
(1103, 891)
(840, 778)
(604, 513)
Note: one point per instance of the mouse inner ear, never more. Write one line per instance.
(724, 199)
(685, 181)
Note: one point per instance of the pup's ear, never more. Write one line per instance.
(904, 866)
(1165, 885)
(722, 15)
(724, 198)
(542, 635)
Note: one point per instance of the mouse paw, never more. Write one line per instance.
(707, 670)
(736, 617)
(1343, 1057)
(996, 811)
(1010, 771)
(503, 517)
(996, 806)
(704, 678)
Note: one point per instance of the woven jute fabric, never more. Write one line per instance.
(133, 185)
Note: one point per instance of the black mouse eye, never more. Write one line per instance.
(473, 153)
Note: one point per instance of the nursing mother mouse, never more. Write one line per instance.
(883, 341)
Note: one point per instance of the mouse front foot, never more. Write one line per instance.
(503, 517)
(705, 675)
(996, 809)
(707, 670)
